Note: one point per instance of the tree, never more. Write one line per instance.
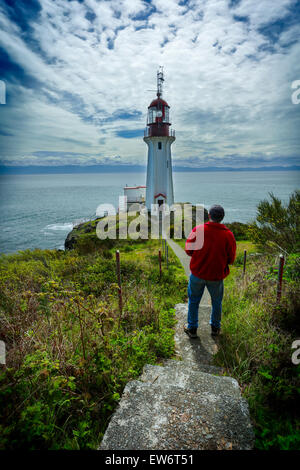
(278, 224)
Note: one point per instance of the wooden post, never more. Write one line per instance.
(245, 260)
(119, 281)
(159, 259)
(279, 280)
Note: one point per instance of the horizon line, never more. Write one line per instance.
(59, 169)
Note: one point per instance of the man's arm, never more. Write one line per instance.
(231, 248)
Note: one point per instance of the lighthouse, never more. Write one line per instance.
(159, 138)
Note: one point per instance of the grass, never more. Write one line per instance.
(70, 351)
(255, 347)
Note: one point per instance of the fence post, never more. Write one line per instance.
(159, 258)
(279, 279)
(245, 260)
(119, 281)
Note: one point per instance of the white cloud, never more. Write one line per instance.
(264, 11)
(224, 84)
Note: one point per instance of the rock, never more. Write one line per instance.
(189, 377)
(70, 241)
(78, 231)
(169, 416)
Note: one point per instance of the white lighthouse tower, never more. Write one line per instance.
(159, 137)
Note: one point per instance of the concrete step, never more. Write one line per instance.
(189, 377)
(158, 416)
(209, 369)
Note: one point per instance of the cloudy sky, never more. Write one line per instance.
(79, 75)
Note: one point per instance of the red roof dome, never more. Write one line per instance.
(157, 101)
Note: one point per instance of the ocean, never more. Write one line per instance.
(38, 211)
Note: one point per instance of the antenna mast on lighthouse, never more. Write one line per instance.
(160, 80)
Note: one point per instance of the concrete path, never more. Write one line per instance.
(181, 255)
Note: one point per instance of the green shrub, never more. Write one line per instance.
(239, 230)
(277, 225)
(70, 351)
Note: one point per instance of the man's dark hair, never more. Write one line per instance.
(216, 213)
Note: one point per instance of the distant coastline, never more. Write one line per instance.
(71, 169)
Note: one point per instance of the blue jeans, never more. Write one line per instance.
(195, 291)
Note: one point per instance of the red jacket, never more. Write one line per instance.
(218, 251)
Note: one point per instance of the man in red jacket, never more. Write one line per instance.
(209, 266)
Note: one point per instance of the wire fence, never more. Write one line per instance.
(163, 255)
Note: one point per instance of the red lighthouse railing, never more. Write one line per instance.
(154, 132)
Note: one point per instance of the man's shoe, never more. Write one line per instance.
(215, 331)
(191, 332)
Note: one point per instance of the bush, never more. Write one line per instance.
(278, 225)
(70, 351)
(239, 230)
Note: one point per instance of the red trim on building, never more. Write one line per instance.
(134, 187)
(160, 194)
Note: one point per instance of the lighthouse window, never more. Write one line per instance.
(159, 145)
(150, 116)
(166, 116)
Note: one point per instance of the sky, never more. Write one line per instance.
(80, 75)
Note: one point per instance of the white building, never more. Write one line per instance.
(159, 138)
(135, 194)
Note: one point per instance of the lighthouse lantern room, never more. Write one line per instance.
(159, 138)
